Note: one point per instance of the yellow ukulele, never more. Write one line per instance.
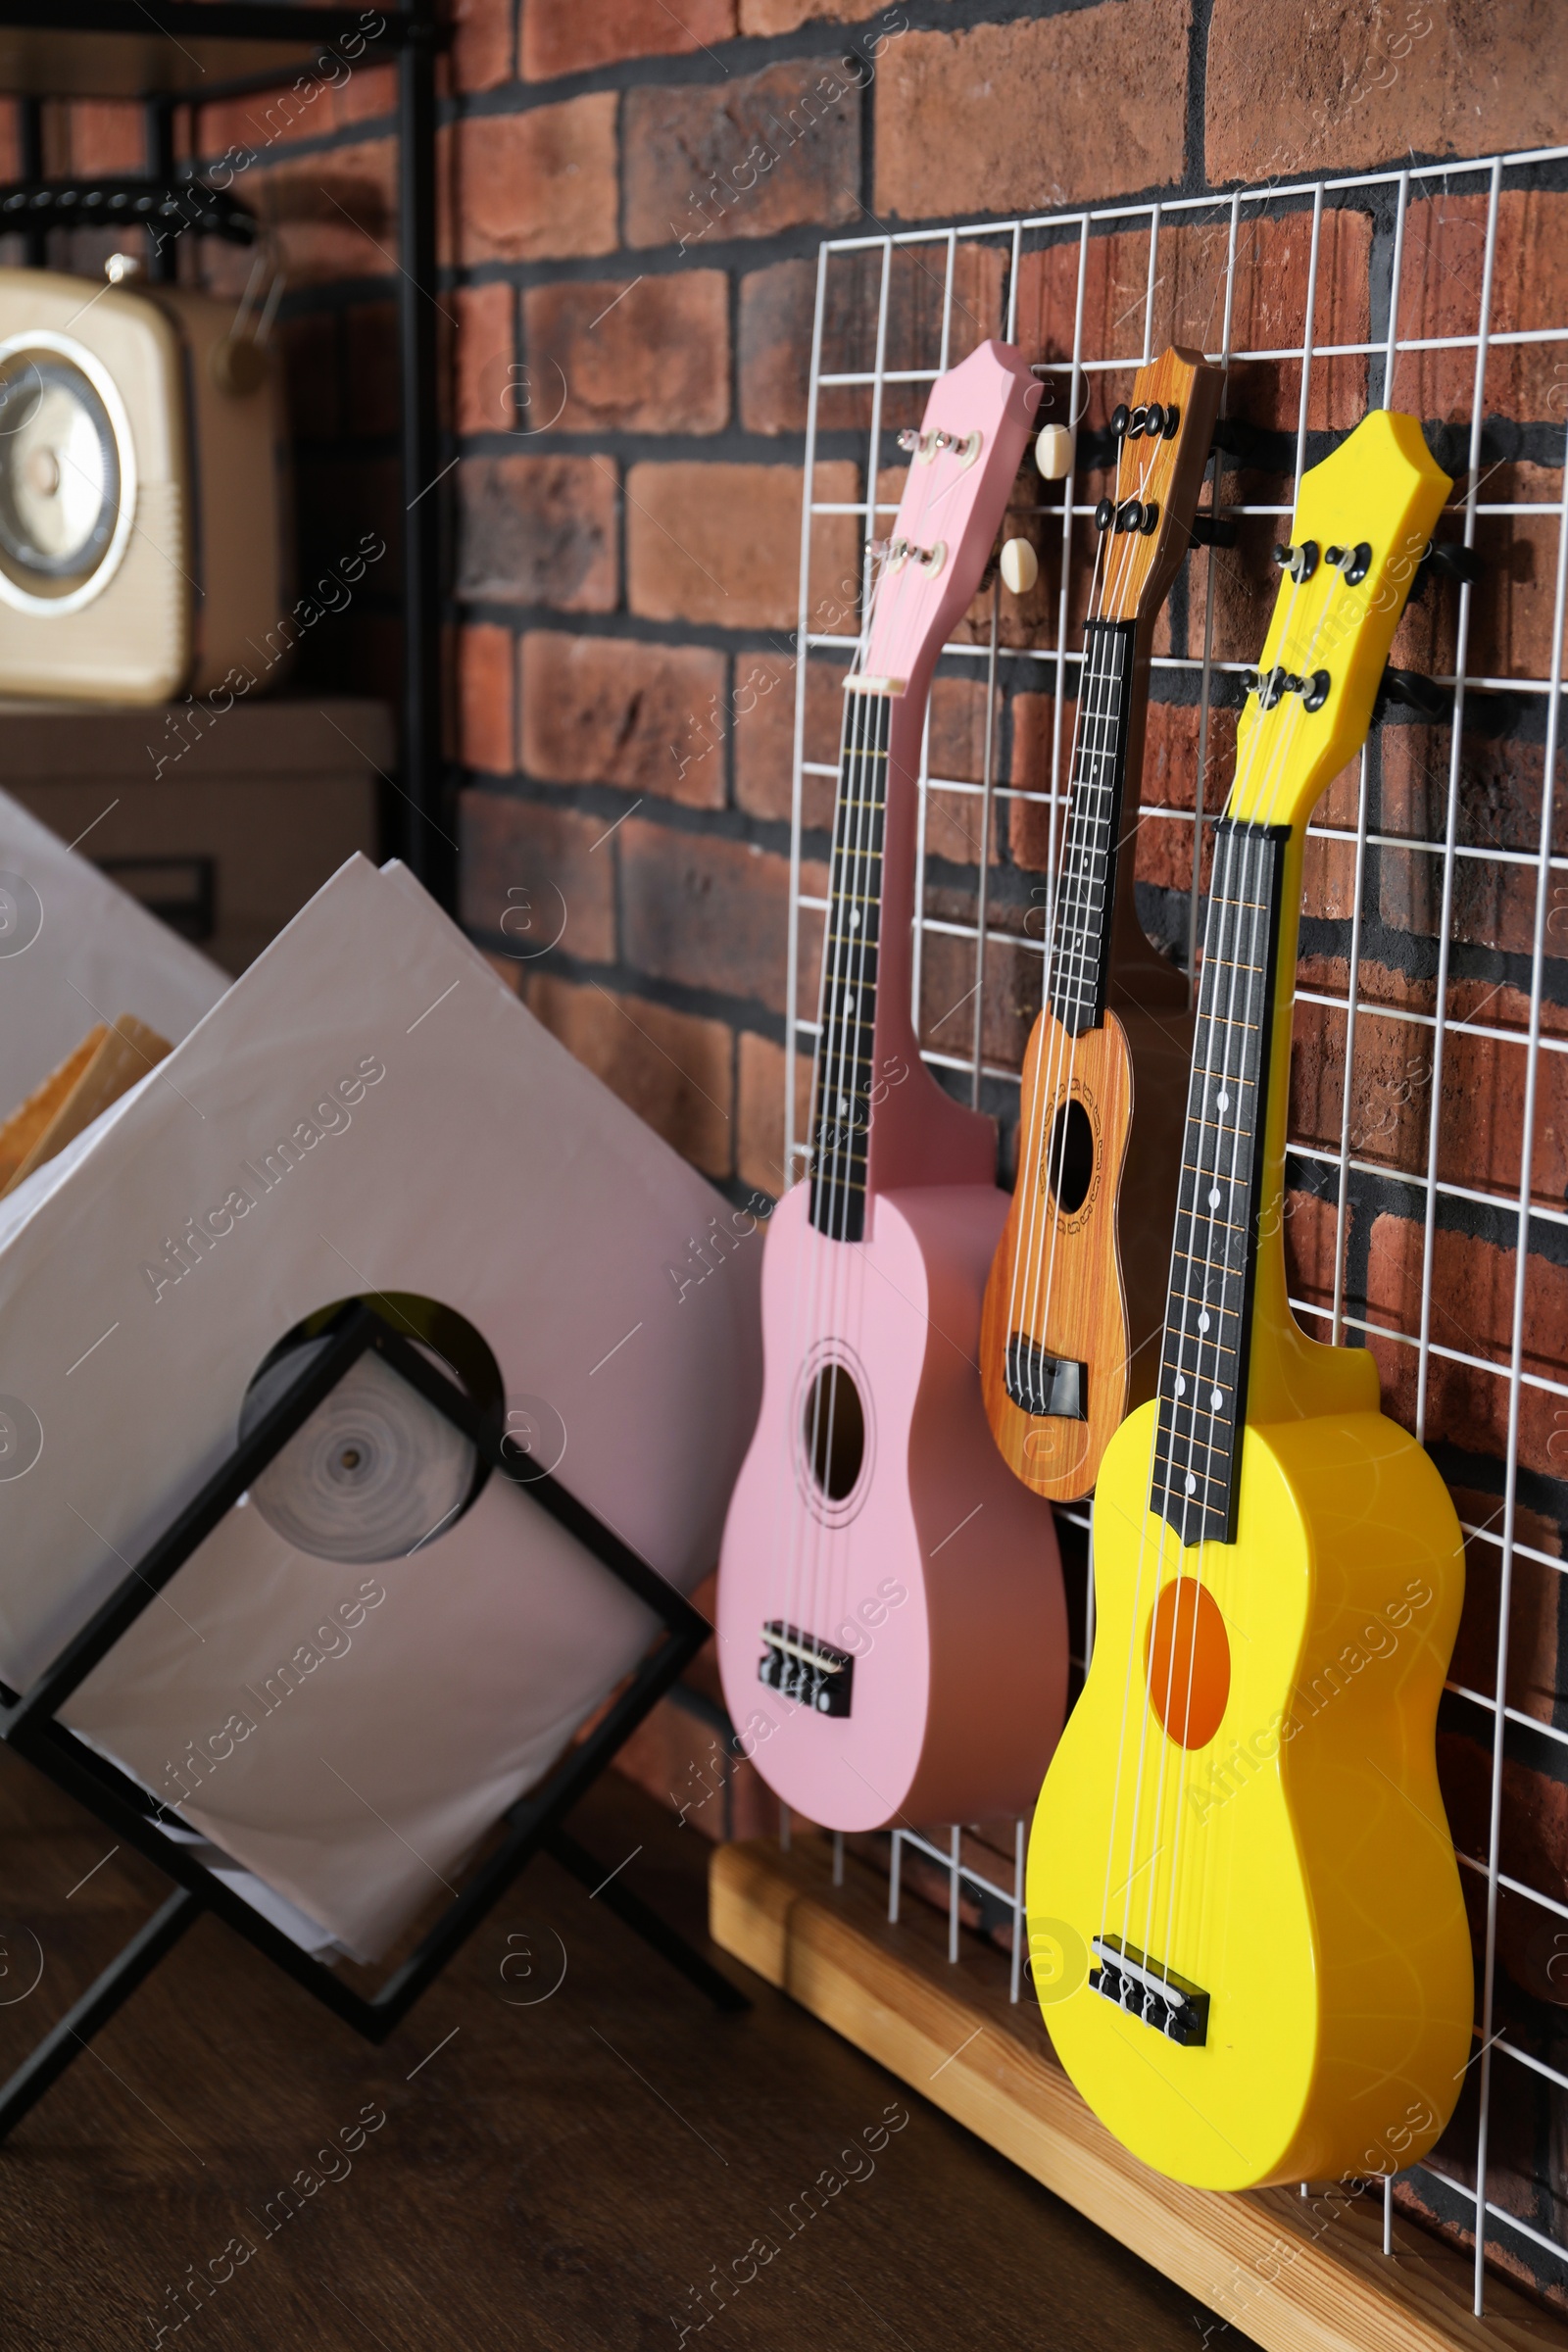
(1069, 1334)
(1245, 1916)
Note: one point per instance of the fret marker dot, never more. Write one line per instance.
(1191, 1484)
(855, 919)
(843, 1106)
(1181, 1384)
(1216, 1397)
(1203, 1322)
(1213, 1196)
(1223, 1100)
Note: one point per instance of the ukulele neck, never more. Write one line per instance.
(1233, 1349)
(1099, 954)
(880, 1120)
(1086, 890)
(1231, 1168)
(847, 1037)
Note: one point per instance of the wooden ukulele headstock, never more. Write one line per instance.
(1158, 468)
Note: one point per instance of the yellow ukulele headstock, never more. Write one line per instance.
(1363, 519)
(1161, 461)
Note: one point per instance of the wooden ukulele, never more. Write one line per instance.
(1245, 1918)
(892, 1628)
(1072, 1306)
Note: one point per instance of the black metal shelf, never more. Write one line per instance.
(195, 52)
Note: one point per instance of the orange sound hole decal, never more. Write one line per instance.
(1189, 1656)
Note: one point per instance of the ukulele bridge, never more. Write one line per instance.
(1143, 1988)
(799, 1666)
(1050, 1386)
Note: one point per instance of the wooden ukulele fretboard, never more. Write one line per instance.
(1202, 1373)
(1087, 888)
(846, 1043)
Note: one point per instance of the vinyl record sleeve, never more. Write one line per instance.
(367, 1111)
(74, 950)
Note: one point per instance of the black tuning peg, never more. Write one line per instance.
(1353, 563)
(1299, 562)
(1138, 515)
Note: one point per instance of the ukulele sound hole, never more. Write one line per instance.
(1189, 1658)
(1070, 1165)
(834, 1432)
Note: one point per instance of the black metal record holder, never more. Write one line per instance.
(193, 53)
(28, 1723)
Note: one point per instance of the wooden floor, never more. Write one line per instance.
(566, 2174)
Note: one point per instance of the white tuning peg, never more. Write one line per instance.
(1054, 448)
(1019, 566)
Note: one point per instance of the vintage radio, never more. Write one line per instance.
(141, 513)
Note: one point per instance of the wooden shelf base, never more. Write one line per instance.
(1294, 2274)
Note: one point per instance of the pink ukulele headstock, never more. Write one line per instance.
(962, 464)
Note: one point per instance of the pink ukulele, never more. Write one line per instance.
(891, 1623)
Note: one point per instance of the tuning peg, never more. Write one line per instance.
(1302, 561)
(1272, 685)
(1054, 452)
(1020, 565)
(1156, 422)
(1353, 561)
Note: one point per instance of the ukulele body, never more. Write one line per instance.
(935, 1572)
(1084, 1284)
(1317, 1900)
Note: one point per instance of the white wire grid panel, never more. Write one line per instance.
(1443, 852)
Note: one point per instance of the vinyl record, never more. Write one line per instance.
(376, 1472)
